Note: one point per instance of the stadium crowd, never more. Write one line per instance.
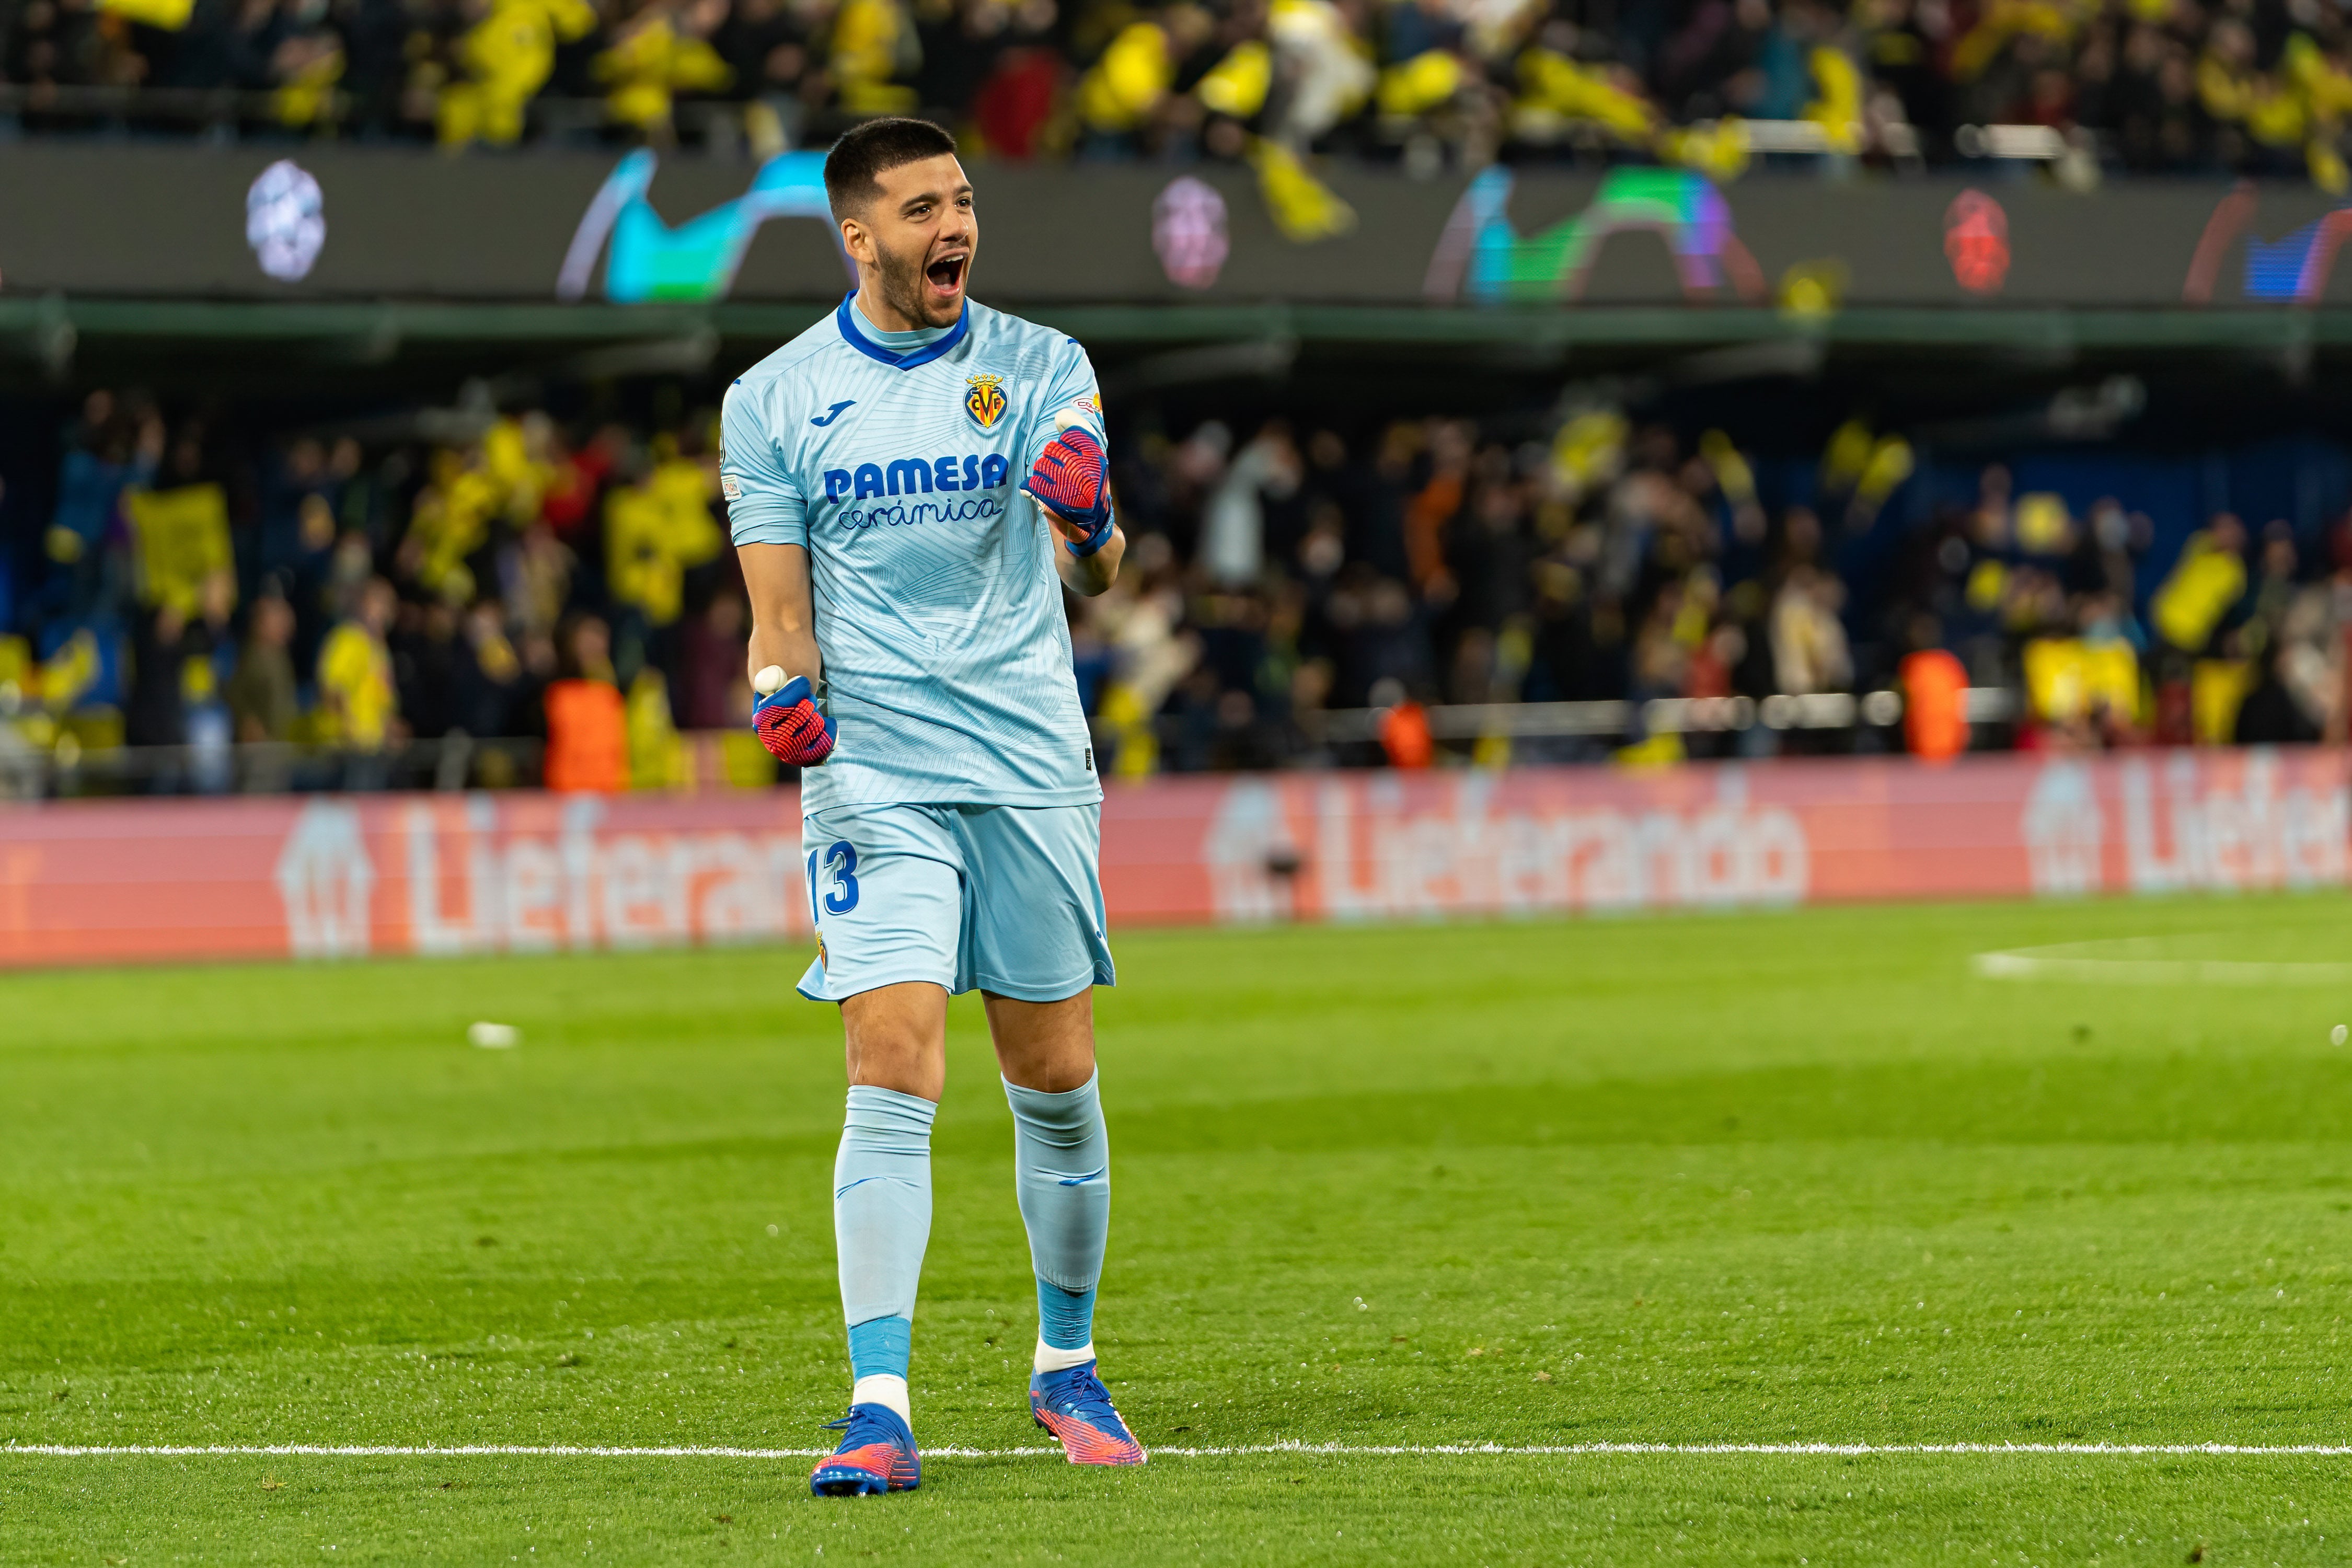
(2261, 86)
(181, 584)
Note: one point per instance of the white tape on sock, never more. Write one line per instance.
(1052, 1360)
(886, 1389)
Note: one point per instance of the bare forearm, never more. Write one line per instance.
(784, 620)
(795, 651)
(1090, 575)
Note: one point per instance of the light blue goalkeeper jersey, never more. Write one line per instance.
(938, 606)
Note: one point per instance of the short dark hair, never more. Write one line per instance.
(870, 150)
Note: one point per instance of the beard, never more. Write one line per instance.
(903, 288)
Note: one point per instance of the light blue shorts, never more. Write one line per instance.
(1000, 898)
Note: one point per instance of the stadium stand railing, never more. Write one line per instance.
(460, 762)
(1616, 719)
(264, 767)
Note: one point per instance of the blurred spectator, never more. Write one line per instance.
(1573, 556)
(207, 655)
(501, 62)
(535, 572)
(179, 535)
(568, 500)
(1233, 526)
(1123, 96)
(872, 47)
(771, 70)
(358, 702)
(661, 51)
(587, 722)
(298, 493)
(2196, 86)
(111, 450)
(711, 666)
(262, 700)
(154, 714)
(655, 757)
(2271, 715)
(2204, 587)
(425, 654)
(224, 44)
(1809, 652)
(655, 530)
(1014, 106)
(490, 676)
(1405, 727)
(1935, 700)
(374, 38)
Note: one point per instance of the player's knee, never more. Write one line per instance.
(1049, 1072)
(1045, 1045)
(898, 1038)
(900, 1062)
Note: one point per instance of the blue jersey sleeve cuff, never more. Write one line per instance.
(768, 528)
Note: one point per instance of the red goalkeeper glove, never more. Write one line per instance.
(788, 723)
(1069, 480)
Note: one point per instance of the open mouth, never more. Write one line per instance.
(947, 274)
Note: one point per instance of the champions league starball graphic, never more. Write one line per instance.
(1188, 232)
(1975, 242)
(285, 220)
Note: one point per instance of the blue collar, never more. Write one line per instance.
(846, 318)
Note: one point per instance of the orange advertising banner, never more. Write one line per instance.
(341, 876)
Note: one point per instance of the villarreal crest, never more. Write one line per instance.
(984, 399)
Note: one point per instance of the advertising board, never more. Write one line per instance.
(344, 877)
(327, 222)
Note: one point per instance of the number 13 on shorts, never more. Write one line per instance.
(1000, 898)
(839, 894)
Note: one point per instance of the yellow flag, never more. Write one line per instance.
(1301, 206)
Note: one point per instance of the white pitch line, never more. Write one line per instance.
(1344, 1450)
(2077, 961)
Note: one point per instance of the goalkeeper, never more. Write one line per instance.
(912, 482)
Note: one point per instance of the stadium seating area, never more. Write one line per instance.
(179, 583)
(2155, 85)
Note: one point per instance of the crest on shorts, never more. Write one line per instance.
(984, 399)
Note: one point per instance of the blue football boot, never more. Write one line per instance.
(1074, 1406)
(876, 1455)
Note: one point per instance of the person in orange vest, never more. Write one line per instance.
(1404, 726)
(587, 721)
(1935, 701)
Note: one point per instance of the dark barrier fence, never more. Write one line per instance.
(1340, 737)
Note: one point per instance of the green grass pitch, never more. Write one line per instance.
(1735, 1178)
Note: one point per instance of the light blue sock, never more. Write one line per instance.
(881, 1222)
(1065, 1319)
(881, 1345)
(1061, 1155)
